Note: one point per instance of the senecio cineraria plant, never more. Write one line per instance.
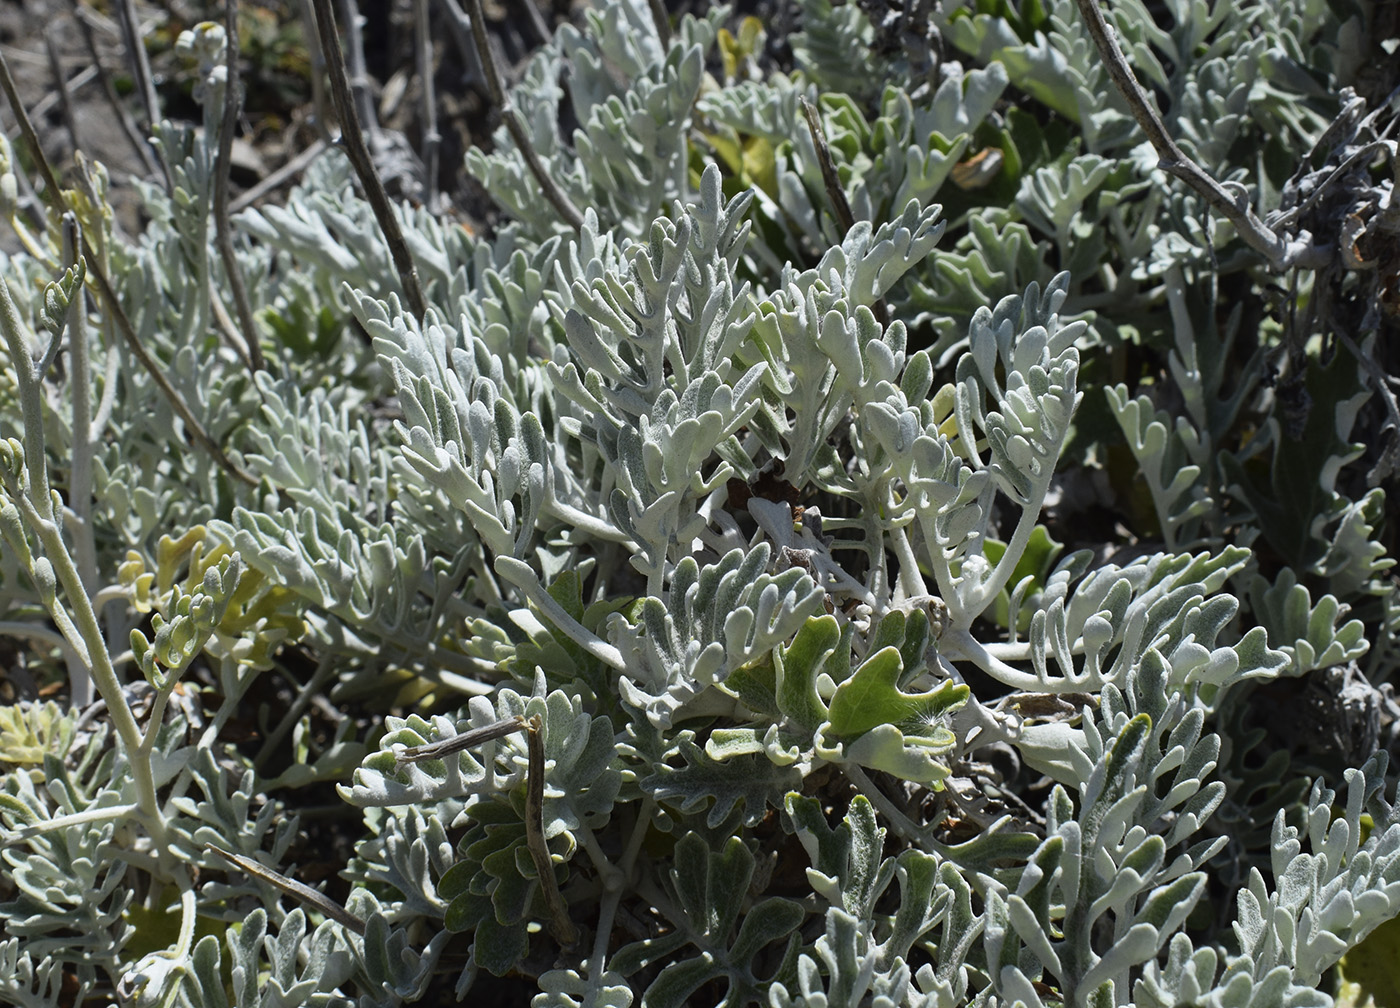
(889, 554)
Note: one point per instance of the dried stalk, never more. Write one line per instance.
(318, 69)
(299, 890)
(354, 141)
(61, 89)
(432, 139)
(662, 20)
(109, 90)
(141, 72)
(536, 19)
(561, 926)
(1171, 158)
(223, 232)
(839, 204)
(356, 74)
(495, 84)
(140, 65)
(289, 170)
(461, 27)
(834, 192)
(459, 742)
(54, 196)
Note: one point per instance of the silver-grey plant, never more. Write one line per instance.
(676, 605)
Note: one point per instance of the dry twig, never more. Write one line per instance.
(141, 71)
(299, 890)
(1171, 158)
(495, 83)
(222, 230)
(54, 195)
(354, 142)
(432, 139)
(138, 143)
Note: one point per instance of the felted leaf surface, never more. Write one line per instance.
(872, 697)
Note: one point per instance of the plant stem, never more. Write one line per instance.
(521, 575)
(1001, 574)
(1171, 158)
(196, 429)
(80, 472)
(845, 220)
(432, 139)
(291, 169)
(298, 890)
(61, 89)
(899, 822)
(133, 136)
(662, 20)
(353, 139)
(910, 580)
(222, 230)
(36, 826)
(141, 71)
(560, 925)
(55, 198)
(78, 620)
(356, 74)
(495, 83)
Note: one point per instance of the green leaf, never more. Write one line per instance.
(847, 861)
(747, 780)
(1370, 966)
(872, 697)
(797, 667)
(500, 947)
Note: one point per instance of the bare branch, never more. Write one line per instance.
(279, 177)
(354, 142)
(662, 20)
(432, 139)
(222, 231)
(141, 71)
(109, 90)
(844, 218)
(300, 890)
(495, 83)
(54, 196)
(839, 204)
(1171, 158)
(61, 88)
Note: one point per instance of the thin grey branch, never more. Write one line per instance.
(1171, 158)
(300, 890)
(495, 83)
(354, 141)
(141, 70)
(223, 230)
(288, 171)
(138, 143)
(61, 88)
(55, 198)
(845, 219)
(661, 19)
(432, 139)
(318, 69)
